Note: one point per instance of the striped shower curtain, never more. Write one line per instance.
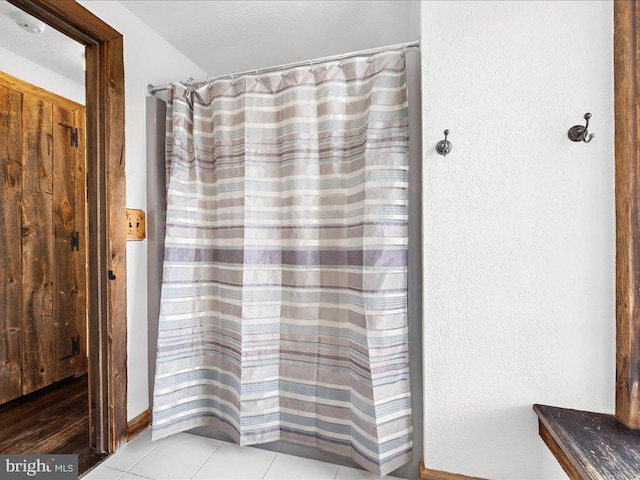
(284, 296)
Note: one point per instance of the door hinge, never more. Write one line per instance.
(75, 241)
(75, 347)
(73, 134)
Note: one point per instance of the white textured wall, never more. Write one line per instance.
(148, 58)
(519, 240)
(40, 76)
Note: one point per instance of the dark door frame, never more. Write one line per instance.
(627, 135)
(106, 252)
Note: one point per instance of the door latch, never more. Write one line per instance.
(75, 241)
(75, 348)
(73, 134)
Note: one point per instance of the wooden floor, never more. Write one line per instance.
(52, 420)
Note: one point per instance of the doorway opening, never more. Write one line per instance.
(43, 248)
(105, 234)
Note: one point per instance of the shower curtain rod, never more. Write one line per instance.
(153, 89)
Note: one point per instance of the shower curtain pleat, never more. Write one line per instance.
(284, 297)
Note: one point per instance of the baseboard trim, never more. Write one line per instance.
(428, 474)
(137, 425)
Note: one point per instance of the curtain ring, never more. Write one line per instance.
(284, 70)
(189, 92)
(403, 52)
(233, 82)
(369, 60)
(340, 65)
(208, 83)
(311, 67)
(257, 73)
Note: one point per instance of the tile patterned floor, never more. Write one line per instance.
(186, 457)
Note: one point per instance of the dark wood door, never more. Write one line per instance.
(10, 232)
(43, 239)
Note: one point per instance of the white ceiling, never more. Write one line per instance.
(224, 36)
(230, 36)
(50, 49)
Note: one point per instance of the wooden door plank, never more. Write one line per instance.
(117, 288)
(81, 227)
(99, 383)
(627, 222)
(70, 18)
(21, 86)
(37, 245)
(10, 224)
(65, 267)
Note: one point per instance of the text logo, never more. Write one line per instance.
(58, 467)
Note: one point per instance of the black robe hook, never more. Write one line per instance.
(579, 133)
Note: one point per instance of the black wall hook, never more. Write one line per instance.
(578, 133)
(444, 146)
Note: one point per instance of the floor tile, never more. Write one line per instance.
(346, 473)
(231, 462)
(103, 473)
(288, 467)
(131, 476)
(132, 452)
(178, 457)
